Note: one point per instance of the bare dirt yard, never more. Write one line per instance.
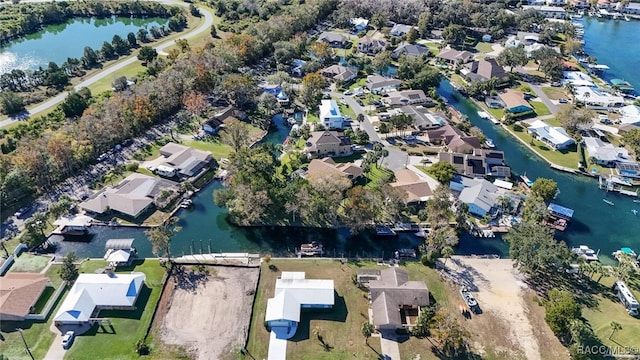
(208, 314)
(511, 323)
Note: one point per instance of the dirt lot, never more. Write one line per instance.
(511, 323)
(208, 315)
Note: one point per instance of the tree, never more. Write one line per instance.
(424, 322)
(572, 118)
(131, 38)
(535, 210)
(68, 271)
(545, 188)
(236, 135)
(615, 326)
(442, 171)
(367, 331)
(561, 308)
(120, 83)
(120, 45)
(160, 237)
(35, 226)
(61, 207)
(424, 24)
(534, 250)
(452, 338)
(312, 86)
(378, 20)
(381, 61)
(552, 67)
(11, 102)
(412, 35)
(143, 35)
(147, 54)
(513, 56)
(90, 58)
(447, 252)
(214, 32)
(454, 34)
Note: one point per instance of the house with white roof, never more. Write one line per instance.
(553, 12)
(400, 30)
(93, 292)
(554, 136)
(359, 24)
(479, 194)
(629, 114)
(577, 78)
(605, 153)
(330, 115)
(294, 292)
(597, 98)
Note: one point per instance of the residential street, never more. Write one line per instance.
(397, 159)
(119, 65)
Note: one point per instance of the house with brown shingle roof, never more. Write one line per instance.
(339, 72)
(417, 189)
(454, 139)
(19, 293)
(483, 70)
(371, 46)
(326, 166)
(328, 143)
(395, 300)
(453, 57)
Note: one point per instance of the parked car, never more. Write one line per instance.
(360, 102)
(563, 101)
(348, 92)
(103, 157)
(556, 84)
(21, 212)
(604, 119)
(67, 339)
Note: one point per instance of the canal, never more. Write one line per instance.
(58, 42)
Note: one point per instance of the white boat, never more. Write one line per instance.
(634, 211)
(489, 143)
(586, 253)
(384, 230)
(636, 201)
(422, 234)
(313, 248)
(484, 115)
(626, 18)
(608, 202)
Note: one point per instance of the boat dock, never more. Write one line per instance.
(615, 185)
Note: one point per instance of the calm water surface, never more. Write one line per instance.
(58, 42)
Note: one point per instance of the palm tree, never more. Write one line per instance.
(367, 330)
(317, 331)
(615, 326)
(447, 252)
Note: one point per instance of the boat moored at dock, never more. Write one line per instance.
(384, 230)
(313, 248)
(586, 253)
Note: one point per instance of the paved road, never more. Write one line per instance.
(397, 159)
(205, 26)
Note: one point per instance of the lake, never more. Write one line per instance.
(58, 42)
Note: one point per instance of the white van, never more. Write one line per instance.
(165, 171)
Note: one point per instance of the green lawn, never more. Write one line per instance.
(358, 83)
(484, 47)
(129, 326)
(213, 145)
(29, 263)
(312, 117)
(106, 82)
(540, 108)
(458, 79)
(375, 174)
(340, 327)
(554, 93)
(347, 110)
(568, 157)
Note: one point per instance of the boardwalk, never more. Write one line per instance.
(244, 259)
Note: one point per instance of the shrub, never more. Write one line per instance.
(142, 348)
(132, 166)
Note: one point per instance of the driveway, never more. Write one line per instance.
(544, 98)
(389, 346)
(119, 65)
(56, 352)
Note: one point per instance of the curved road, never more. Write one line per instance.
(205, 26)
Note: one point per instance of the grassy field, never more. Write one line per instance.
(106, 82)
(128, 326)
(214, 146)
(484, 47)
(375, 174)
(30, 263)
(554, 93)
(340, 328)
(540, 108)
(568, 157)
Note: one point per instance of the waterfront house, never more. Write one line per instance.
(606, 154)
(186, 161)
(297, 67)
(132, 196)
(448, 135)
(400, 30)
(554, 136)
(479, 194)
(514, 101)
(424, 119)
(335, 40)
(119, 252)
(604, 4)
(223, 117)
(454, 57)
(379, 84)
(95, 292)
(577, 79)
(597, 98)
(339, 72)
(629, 114)
(395, 300)
(417, 189)
(410, 50)
(551, 12)
(580, 4)
(406, 97)
(330, 115)
(370, 46)
(478, 164)
(483, 70)
(326, 166)
(632, 8)
(328, 143)
(359, 24)
(294, 292)
(19, 293)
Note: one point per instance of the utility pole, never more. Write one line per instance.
(25, 343)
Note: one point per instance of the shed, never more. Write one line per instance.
(560, 211)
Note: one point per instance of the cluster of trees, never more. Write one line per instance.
(23, 19)
(258, 194)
